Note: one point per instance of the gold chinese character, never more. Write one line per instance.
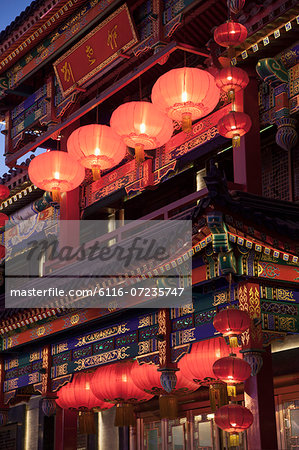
(67, 71)
(112, 36)
(89, 53)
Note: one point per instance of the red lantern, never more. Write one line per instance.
(147, 378)
(234, 419)
(142, 126)
(198, 364)
(4, 192)
(230, 34)
(231, 322)
(113, 383)
(56, 172)
(96, 147)
(3, 219)
(186, 94)
(234, 125)
(231, 370)
(231, 80)
(78, 395)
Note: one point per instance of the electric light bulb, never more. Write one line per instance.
(234, 127)
(97, 152)
(142, 128)
(56, 175)
(230, 78)
(184, 96)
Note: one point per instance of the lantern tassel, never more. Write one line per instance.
(168, 407)
(231, 95)
(96, 172)
(86, 422)
(234, 440)
(187, 122)
(56, 195)
(236, 141)
(218, 395)
(139, 153)
(231, 390)
(233, 341)
(124, 416)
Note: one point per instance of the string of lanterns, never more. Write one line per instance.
(184, 95)
(231, 79)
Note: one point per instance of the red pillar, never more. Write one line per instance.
(259, 398)
(65, 429)
(258, 390)
(247, 157)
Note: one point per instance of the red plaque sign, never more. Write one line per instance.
(96, 50)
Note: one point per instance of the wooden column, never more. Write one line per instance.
(65, 429)
(258, 390)
(247, 157)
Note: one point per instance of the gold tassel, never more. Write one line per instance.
(231, 390)
(96, 172)
(124, 415)
(86, 422)
(187, 122)
(168, 407)
(218, 395)
(212, 395)
(139, 153)
(56, 196)
(236, 141)
(223, 397)
(234, 440)
(231, 95)
(233, 341)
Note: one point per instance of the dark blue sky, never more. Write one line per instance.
(11, 10)
(8, 14)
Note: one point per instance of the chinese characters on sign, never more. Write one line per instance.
(96, 50)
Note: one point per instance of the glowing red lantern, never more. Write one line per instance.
(230, 34)
(78, 395)
(232, 371)
(3, 219)
(234, 419)
(96, 147)
(234, 125)
(142, 126)
(56, 172)
(231, 322)
(114, 383)
(4, 192)
(231, 80)
(147, 378)
(198, 364)
(186, 94)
